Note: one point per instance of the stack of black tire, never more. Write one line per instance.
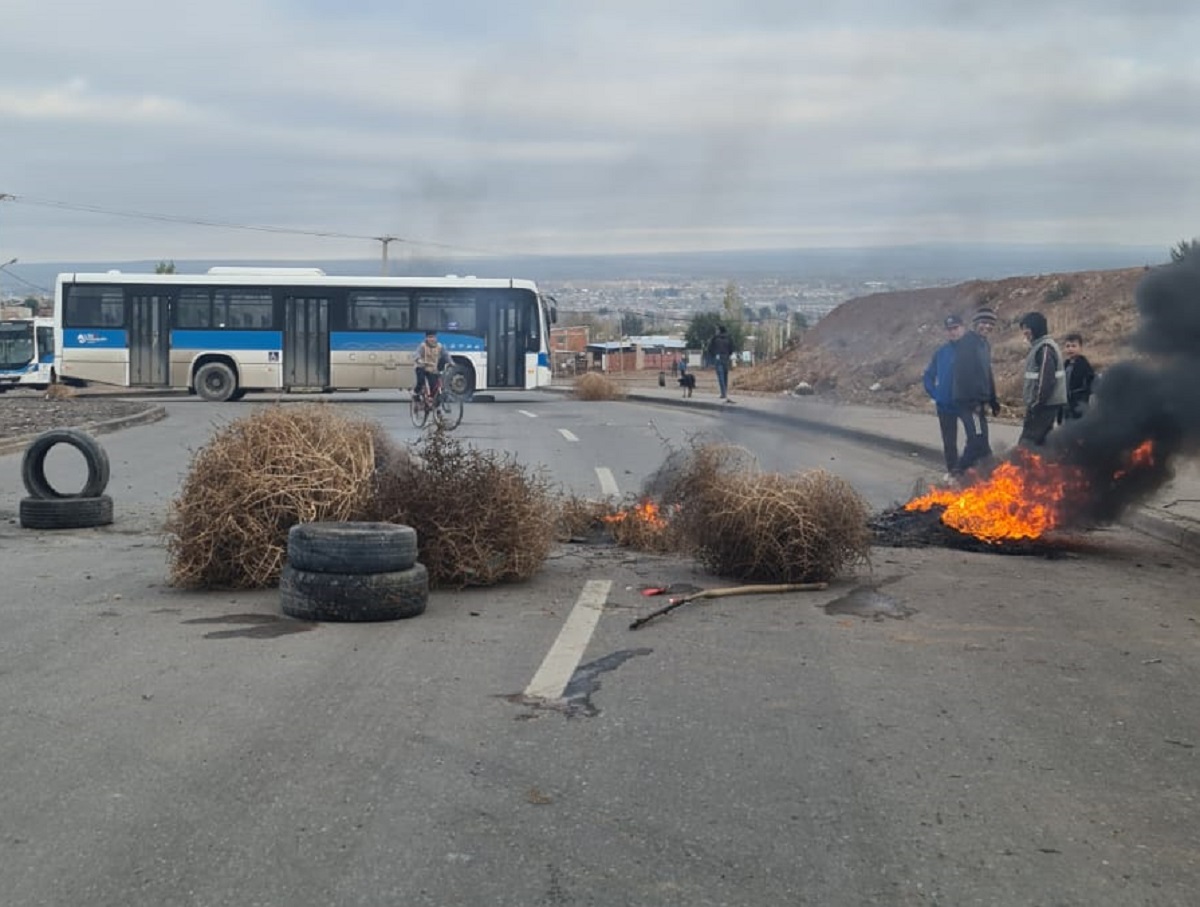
(353, 572)
(47, 507)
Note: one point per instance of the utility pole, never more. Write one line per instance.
(385, 241)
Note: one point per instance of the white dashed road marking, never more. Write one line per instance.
(525, 412)
(568, 434)
(608, 485)
(560, 662)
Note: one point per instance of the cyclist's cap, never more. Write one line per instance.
(431, 333)
(952, 321)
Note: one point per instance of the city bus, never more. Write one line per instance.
(27, 353)
(233, 330)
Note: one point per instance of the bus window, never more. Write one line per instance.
(446, 312)
(379, 311)
(94, 307)
(193, 309)
(244, 308)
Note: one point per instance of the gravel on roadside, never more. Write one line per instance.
(31, 412)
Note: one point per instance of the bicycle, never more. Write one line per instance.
(444, 405)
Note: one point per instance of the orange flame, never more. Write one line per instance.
(645, 511)
(1022, 499)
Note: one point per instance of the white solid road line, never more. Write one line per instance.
(525, 412)
(608, 485)
(560, 662)
(568, 434)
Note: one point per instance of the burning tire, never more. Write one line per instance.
(352, 547)
(33, 464)
(309, 595)
(66, 513)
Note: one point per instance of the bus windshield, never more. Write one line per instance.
(16, 344)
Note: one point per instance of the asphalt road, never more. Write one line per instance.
(942, 728)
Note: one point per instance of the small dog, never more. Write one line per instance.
(688, 382)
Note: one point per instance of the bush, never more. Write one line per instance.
(761, 527)
(481, 518)
(257, 478)
(595, 386)
(1060, 289)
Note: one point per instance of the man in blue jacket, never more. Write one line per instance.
(939, 384)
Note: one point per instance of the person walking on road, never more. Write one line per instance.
(720, 350)
(974, 388)
(1045, 387)
(939, 384)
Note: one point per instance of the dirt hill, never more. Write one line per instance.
(874, 349)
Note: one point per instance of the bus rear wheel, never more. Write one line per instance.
(215, 382)
(460, 379)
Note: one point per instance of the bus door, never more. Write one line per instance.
(149, 339)
(512, 320)
(306, 342)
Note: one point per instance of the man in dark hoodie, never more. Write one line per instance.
(1045, 386)
(975, 387)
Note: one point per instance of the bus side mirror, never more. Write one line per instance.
(554, 314)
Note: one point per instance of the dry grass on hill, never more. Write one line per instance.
(887, 339)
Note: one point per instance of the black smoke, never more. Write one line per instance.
(1155, 397)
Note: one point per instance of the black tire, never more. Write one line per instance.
(354, 596)
(215, 382)
(352, 547)
(33, 464)
(66, 513)
(449, 410)
(460, 379)
(417, 410)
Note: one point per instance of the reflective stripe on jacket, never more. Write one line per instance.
(1035, 365)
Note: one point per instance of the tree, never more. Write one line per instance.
(632, 324)
(1186, 249)
(165, 267)
(799, 322)
(703, 327)
(30, 303)
(732, 303)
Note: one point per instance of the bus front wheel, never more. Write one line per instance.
(215, 382)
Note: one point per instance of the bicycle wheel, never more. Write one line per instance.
(449, 410)
(418, 410)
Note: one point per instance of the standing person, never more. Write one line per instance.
(974, 388)
(939, 384)
(1045, 388)
(429, 359)
(720, 350)
(1080, 376)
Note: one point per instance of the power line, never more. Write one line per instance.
(226, 225)
(20, 279)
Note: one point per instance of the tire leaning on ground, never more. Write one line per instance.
(33, 464)
(309, 595)
(332, 547)
(66, 513)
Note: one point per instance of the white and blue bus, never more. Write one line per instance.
(27, 353)
(233, 330)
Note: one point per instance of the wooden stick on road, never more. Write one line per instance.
(726, 591)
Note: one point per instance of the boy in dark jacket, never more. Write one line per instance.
(939, 384)
(975, 387)
(1080, 376)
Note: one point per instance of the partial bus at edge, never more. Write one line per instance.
(27, 353)
(234, 330)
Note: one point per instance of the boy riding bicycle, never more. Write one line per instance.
(430, 358)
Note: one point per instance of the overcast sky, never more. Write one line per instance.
(560, 126)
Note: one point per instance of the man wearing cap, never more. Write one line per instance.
(939, 384)
(975, 387)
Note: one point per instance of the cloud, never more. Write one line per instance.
(539, 126)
